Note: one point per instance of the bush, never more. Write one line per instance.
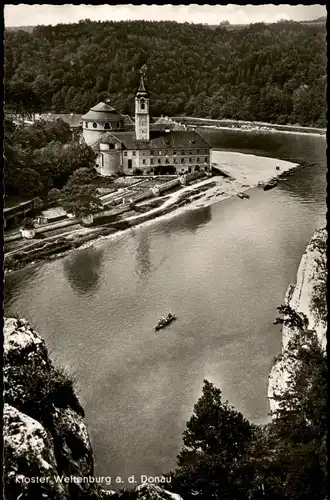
(138, 171)
(42, 388)
(83, 176)
(28, 224)
(54, 195)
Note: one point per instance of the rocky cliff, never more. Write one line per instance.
(306, 298)
(47, 449)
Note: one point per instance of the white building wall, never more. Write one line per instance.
(91, 134)
(145, 161)
(109, 162)
(129, 155)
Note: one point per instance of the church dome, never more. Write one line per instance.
(102, 112)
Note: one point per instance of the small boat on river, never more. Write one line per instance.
(165, 321)
(270, 185)
(243, 195)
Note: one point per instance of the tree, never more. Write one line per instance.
(42, 132)
(319, 294)
(216, 442)
(56, 162)
(39, 158)
(20, 178)
(24, 182)
(292, 460)
(82, 176)
(22, 100)
(81, 200)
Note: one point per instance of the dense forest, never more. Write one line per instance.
(274, 73)
(41, 158)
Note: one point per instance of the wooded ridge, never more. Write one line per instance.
(274, 73)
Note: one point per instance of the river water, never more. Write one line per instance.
(223, 269)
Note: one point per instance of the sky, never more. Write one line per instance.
(33, 15)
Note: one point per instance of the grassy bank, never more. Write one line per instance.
(45, 250)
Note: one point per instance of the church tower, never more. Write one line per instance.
(142, 113)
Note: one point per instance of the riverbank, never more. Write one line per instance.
(244, 125)
(263, 129)
(240, 173)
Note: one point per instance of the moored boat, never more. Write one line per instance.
(165, 321)
(270, 185)
(243, 195)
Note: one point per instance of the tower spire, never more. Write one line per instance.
(142, 132)
(142, 88)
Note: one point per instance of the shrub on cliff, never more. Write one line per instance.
(319, 297)
(35, 388)
(294, 450)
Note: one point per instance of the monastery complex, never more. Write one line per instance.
(145, 149)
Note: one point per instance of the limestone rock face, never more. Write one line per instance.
(20, 341)
(300, 298)
(47, 450)
(28, 450)
(21, 346)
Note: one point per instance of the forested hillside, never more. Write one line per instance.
(274, 73)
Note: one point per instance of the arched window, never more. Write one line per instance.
(107, 126)
(86, 124)
(94, 125)
(142, 104)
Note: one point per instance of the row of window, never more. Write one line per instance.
(174, 153)
(170, 153)
(196, 168)
(107, 125)
(174, 162)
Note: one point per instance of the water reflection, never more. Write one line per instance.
(188, 221)
(143, 257)
(293, 147)
(244, 142)
(16, 282)
(83, 269)
(308, 187)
